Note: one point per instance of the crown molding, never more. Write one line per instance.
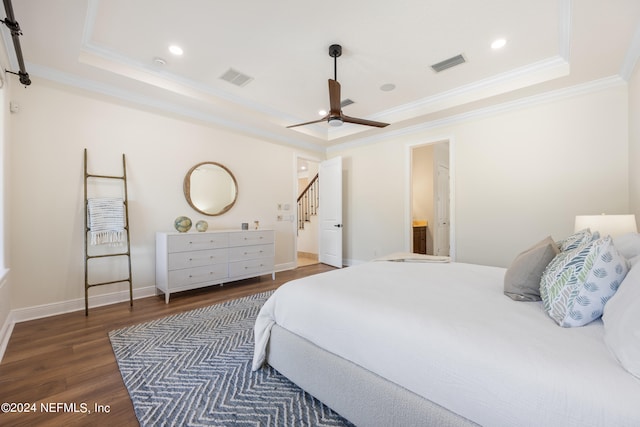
(551, 96)
(631, 58)
(172, 108)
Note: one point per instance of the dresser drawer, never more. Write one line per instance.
(179, 260)
(194, 260)
(250, 238)
(195, 242)
(209, 273)
(251, 252)
(251, 267)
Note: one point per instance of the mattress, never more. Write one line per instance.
(446, 332)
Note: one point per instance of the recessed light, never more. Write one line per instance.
(176, 50)
(498, 44)
(322, 112)
(387, 87)
(159, 61)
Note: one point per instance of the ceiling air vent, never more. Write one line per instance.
(448, 63)
(236, 77)
(346, 102)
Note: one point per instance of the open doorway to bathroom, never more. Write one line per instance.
(307, 213)
(430, 199)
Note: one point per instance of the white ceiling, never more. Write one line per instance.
(109, 46)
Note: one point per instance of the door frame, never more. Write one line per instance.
(408, 236)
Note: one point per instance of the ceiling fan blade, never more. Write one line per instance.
(357, 121)
(324, 119)
(334, 97)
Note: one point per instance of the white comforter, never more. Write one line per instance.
(446, 332)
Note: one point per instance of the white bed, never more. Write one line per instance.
(409, 339)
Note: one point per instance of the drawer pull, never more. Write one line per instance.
(252, 253)
(193, 276)
(248, 266)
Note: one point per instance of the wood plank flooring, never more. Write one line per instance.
(59, 364)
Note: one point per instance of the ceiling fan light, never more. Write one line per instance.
(498, 44)
(176, 50)
(335, 121)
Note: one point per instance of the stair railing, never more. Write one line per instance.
(308, 202)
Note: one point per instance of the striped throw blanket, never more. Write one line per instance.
(106, 220)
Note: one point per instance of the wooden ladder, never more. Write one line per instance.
(127, 253)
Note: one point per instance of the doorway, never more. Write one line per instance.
(307, 224)
(430, 199)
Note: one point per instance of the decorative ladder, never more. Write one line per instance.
(308, 202)
(88, 257)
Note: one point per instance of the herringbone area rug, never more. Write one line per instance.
(194, 369)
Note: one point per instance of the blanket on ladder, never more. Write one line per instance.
(106, 220)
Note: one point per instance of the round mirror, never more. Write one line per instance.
(210, 188)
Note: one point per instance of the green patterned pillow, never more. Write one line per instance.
(576, 239)
(576, 285)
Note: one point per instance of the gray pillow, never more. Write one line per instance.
(522, 279)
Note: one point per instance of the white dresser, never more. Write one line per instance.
(193, 260)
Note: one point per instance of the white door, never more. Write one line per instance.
(330, 212)
(442, 212)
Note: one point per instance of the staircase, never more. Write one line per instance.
(308, 202)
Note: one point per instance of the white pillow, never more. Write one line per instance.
(622, 322)
(628, 245)
(576, 285)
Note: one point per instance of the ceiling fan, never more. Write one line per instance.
(335, 116)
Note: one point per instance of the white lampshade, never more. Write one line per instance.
(607, 225)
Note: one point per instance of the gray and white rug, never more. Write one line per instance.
(194, 369)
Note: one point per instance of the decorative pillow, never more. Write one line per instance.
(633, 261)
(522, 279)
(576, 285)
(628, 245)
(575, 240)
(622, 322)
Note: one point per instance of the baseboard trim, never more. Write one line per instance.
(62, 307)
(310, 255)
(285, 266)
(56, 308)
(5, 334)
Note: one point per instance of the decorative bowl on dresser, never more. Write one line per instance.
(193, 260)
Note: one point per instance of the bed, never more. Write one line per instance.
(439, 343)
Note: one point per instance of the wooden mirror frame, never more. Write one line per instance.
(187, 189)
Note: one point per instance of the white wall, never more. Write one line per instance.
(422, 183)
(5, 281)
(634, 143)
(518, 176)
(49, 134)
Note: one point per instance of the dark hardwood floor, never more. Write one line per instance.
(56, 363)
